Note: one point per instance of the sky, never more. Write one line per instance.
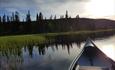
(85, 8)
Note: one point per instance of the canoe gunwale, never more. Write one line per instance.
(75, 60)
(75, 66)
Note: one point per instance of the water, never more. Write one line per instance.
(53, 57)
(107, 45)
(50, 57)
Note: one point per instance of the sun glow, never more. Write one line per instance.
(101, 8)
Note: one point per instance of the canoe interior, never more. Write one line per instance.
(92, 68)
(93, 57)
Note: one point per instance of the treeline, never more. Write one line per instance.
(13, 25)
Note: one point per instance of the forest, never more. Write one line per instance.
(11, 25)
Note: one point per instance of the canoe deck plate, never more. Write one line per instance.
(92, 68)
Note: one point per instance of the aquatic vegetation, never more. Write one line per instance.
(35, 39)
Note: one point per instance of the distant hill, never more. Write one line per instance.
(85, 23)
(93, 24)
(104, 23)
(55, 25)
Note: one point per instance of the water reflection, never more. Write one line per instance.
(42, 57)
(52, 56)
(109, 50)
(107, 46)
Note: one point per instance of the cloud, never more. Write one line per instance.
(47, 7)
(59, 8)
(17, 3)
(32, 3)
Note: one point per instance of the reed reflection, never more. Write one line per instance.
(15, 58)
(18, 56)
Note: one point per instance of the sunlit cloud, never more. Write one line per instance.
(85, 8)
(101, 8)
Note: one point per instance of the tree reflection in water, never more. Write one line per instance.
(12, 58)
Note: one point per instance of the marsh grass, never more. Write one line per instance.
(23, 40)
(13, 42)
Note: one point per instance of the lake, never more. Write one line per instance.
(50, 56)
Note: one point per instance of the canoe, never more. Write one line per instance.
(92, 58)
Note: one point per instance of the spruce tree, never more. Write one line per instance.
(51, 17)
(77, 16)
(4, 18)
(8, 19)
(13, 17)
(55, 17)
(28, 23)
(37, 17)
(40, 16)
(0, 19)
(66, 15)
(17, 17)
(28, 18)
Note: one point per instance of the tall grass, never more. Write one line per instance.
(20, 40)
(23, 40)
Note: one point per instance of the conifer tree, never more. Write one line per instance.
(0, 19)
(77, 16)
(66, 15)
(17, 17)
(40, 16)
(27, 26)
(55, 17)
(13, 17)
(8, 20)
(51, 17)
(4, 18)
(28, 18)
(37, 17)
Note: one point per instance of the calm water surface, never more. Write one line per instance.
(107, 45)
(51, 57)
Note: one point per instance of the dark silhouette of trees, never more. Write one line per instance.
(0, 24)
(40, 16)
(8, 20)
(28, 18)
(55, 17)
(45, 18)
(42, 24)
(5, 27)
(66, 15)
(17, 19)
(4, 18)
(0, 19)
(27, 26)
(37, 17)
(77, 16)
(16, 22)
(51, 17)
(13, 17)
(13, 25)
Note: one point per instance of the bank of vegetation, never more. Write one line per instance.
(12, 25)
(49, 38)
